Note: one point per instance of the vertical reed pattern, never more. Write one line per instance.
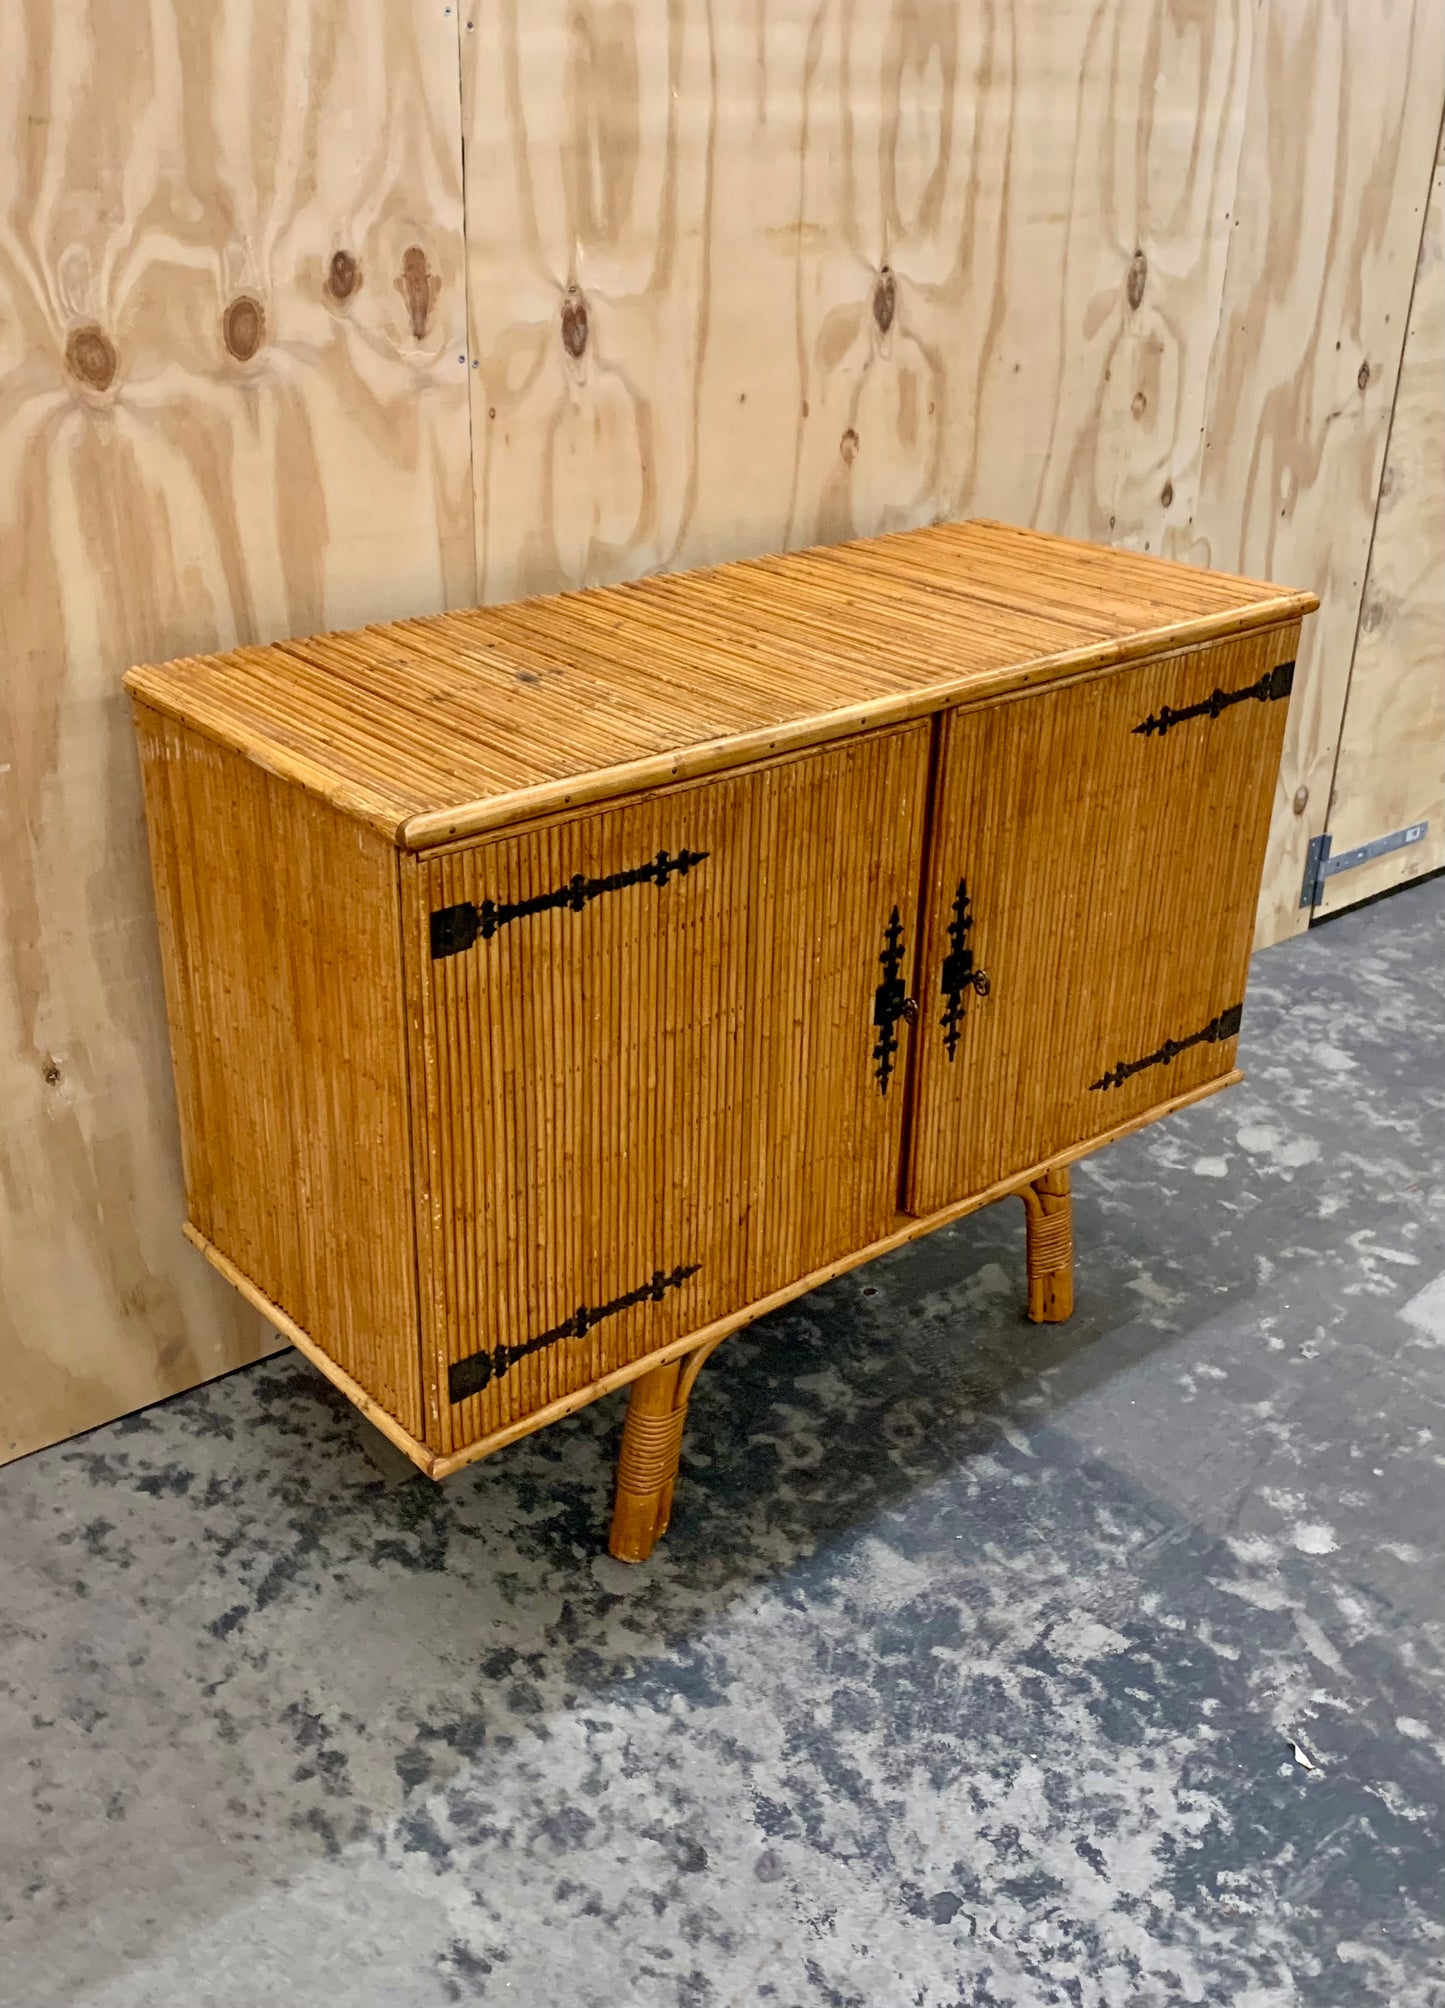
(653, 1103)
(278, 926)
(537, 975)
(1111, 876)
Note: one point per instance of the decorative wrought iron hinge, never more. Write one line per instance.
(455, 928)
(1274, 684)
(959, 974)
(1319, 865)
(478, 1370)
(890, 1002)
(1225, 1026)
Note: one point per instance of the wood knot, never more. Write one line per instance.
(848, 446)
(342, 275)
(1364, 376)
(1137, 280)
(1139, 404)
(1166, 493)
(885, 300)
(90, 356)
(574, 323)
(50, 1072)
(244, 326)
(1301, 800)
(419, 288)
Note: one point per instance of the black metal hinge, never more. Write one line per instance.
(478, 1370)
(1225, 1026)
(455, 928)
(1274, 684)
(890, 1002)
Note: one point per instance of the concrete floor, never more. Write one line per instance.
(982, 1665)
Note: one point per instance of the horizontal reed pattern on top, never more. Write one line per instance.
(491, 1117)
(421, 719)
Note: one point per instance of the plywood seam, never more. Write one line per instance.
(1379, 496)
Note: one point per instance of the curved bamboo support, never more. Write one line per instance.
(651, 1450)
(1049, 1213)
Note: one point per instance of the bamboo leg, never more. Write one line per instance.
(1049, 1212)
(651, 1447)
(647, 1462)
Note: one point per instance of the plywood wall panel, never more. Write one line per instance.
(589, 160)
(1343, 115)
(1391, 767)
(740, 278)
(745, 279)
(232, 406)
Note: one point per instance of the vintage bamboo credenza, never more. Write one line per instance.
(555, 987)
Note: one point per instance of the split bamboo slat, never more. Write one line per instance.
(1101, 879)
(554, 987)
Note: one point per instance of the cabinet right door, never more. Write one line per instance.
(1093, 872)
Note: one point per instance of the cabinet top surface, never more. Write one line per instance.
(441, 727)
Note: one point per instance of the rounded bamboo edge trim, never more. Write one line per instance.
(441, 1464)
(395, 1432)
(431, 829)
(444, 1463)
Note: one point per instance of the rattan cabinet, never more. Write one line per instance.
(555, 987)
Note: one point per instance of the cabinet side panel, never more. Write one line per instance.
(1097, 854)
(280, 943)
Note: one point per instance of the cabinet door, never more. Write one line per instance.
(652, 1084)
(1094, 867)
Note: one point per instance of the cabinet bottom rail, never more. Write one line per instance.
(652, 1441)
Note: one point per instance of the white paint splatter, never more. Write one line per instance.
(1331, 1059)
(1080, 1638)
(1313, 1537)
(1426, 1311)
(1289, 1153)
(1211, 1167)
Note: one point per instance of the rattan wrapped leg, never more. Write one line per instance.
(1049, 1212)
(647, 1463)
(651, 1446)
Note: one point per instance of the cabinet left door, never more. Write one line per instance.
(658, 1060)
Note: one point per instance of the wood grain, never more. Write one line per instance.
(590, 163)
(1391, 766)
(1111, 272)
(740, 278)
(1340, 139)
(231, 407)
(744, 279)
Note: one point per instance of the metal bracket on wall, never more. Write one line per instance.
(1319, 865)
